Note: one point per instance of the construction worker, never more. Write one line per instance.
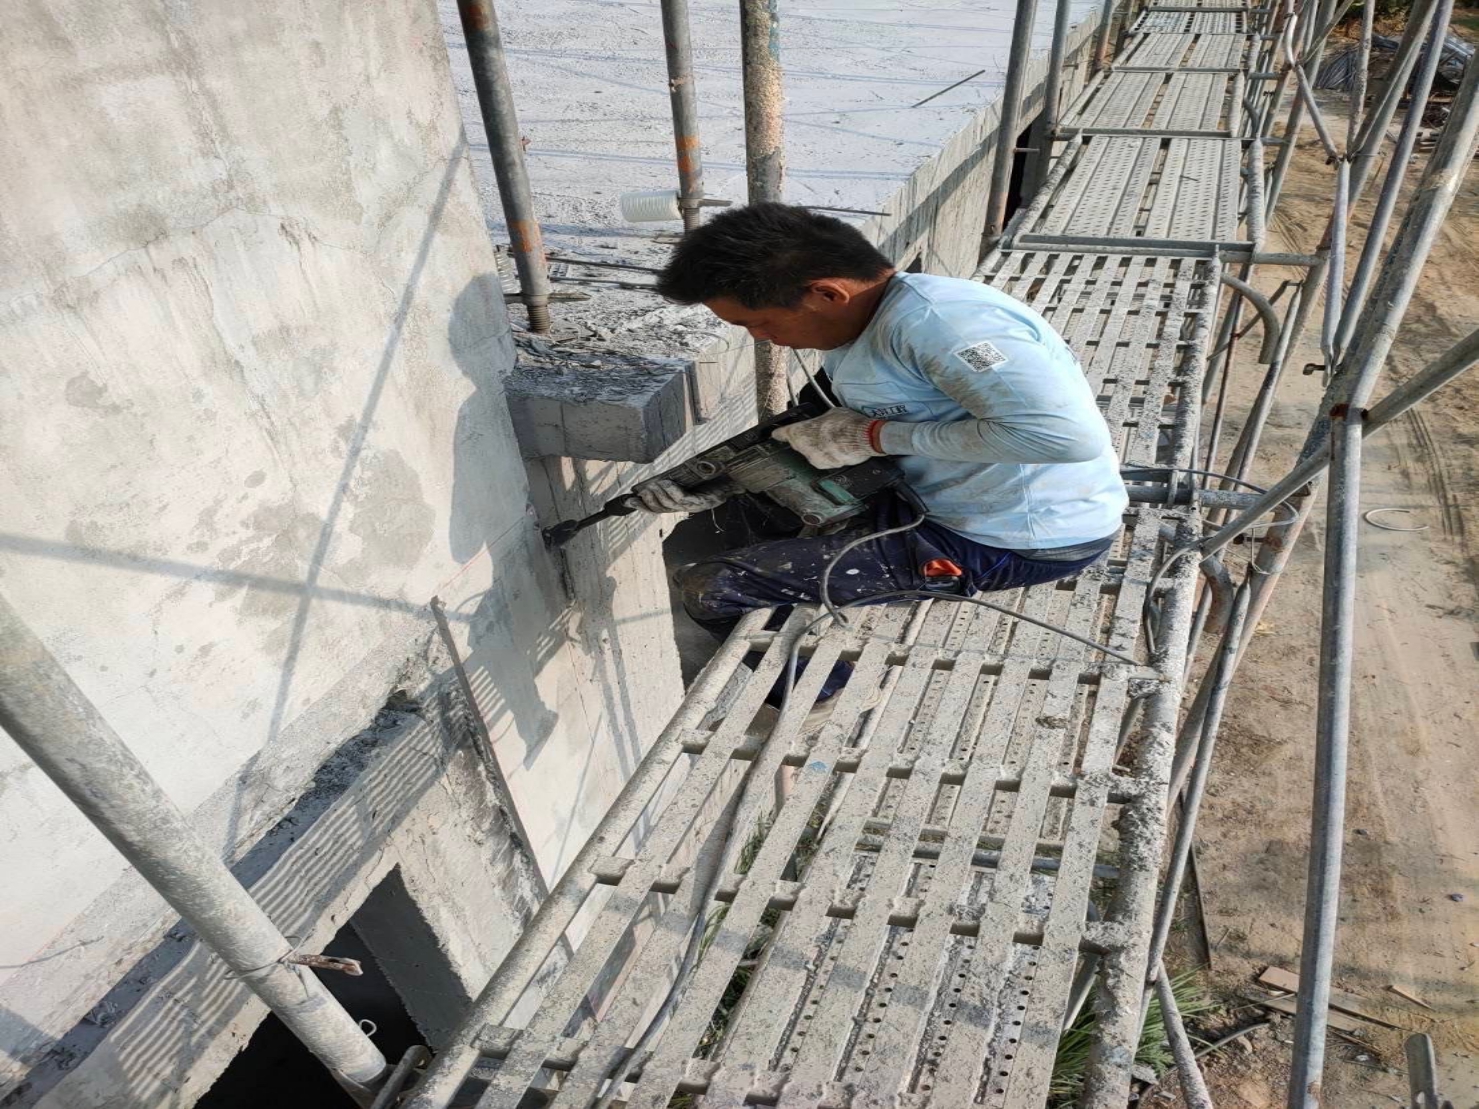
(980, 402)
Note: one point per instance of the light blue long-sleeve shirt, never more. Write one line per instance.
(991, 416)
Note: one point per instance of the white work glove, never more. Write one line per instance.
(663, 495)
(838, 437)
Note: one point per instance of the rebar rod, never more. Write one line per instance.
(1009, 121)
(1391, 188)
(678, 42)
(53, 722)
(765, 161)
(1332, 739)
(505, 147)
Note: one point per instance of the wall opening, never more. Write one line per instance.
(1020, 161)
(275, 1068)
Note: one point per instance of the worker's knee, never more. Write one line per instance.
(712, 591)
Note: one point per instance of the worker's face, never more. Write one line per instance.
(821, 320)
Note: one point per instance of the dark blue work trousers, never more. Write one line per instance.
(779, 573)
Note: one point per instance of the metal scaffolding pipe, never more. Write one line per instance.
(1009, 122)
(52, 720)
(1052, 96)
(501, 123)
(678, 42)
(1332, 738)
(1193, 1085)
(765, 161)
(1269, 349)
(1101, 45)
(1391, 188)
(1220, 680)
(1426, 213)
(1457, 359)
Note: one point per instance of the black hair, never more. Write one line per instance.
(765, 256)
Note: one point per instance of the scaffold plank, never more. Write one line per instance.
(1149, 189)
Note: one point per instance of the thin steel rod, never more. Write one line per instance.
(53, 722)
(1394, 83)
(1332, 738)
(1052, 95)
(1009, 121)
(1193, 1085)
(506, 148)
(678, 42)
(1391, 188)
(765, 161)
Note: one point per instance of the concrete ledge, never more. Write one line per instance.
(599, 405)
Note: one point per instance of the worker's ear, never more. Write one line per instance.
(832, 291)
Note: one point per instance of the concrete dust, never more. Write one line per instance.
(1412, 824)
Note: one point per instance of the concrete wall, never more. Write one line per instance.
(251, 421)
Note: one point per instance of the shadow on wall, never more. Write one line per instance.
(517, 626)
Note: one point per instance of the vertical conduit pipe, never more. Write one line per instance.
(678, 43)
(1009, 123)
(1332, 739)
(765, 161)
(54, 723)
(501, 123)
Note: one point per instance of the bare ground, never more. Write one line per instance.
(1411, 877)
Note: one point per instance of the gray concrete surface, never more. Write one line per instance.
(251, 420)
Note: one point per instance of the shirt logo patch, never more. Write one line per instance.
(983, 356)
(886, 411)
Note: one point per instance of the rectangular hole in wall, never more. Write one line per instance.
(406, 971)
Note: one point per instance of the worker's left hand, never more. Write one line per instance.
(838, 437)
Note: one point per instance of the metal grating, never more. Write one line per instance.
(1124, 191)
(1190, 49)
(1202, 23)
(1208, 103)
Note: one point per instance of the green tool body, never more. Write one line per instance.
(752, 462)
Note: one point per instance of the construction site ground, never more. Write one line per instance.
(1411, 879)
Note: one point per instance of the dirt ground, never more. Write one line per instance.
(1411, 876)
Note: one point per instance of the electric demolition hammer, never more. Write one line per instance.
(753, 462)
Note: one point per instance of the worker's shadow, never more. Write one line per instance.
(510, 637)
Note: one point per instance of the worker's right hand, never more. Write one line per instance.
(664, 495)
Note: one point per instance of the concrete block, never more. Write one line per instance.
(605, 406)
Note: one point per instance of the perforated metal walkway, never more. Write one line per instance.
(905, 928)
